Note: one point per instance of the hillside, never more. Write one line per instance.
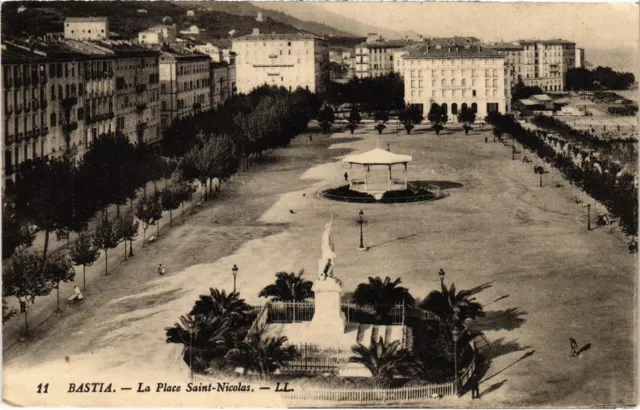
(243, 8)
(126, 20)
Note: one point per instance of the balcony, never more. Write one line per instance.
(141, 126)
(69, 102)
(27, 107)
(141, 87)
(8, 109)
(43, 79)
(8, 84)
(111, 115)
(44, 130)
(70, 127)
(36, 104)
(141, 106)
(44, 104)
(8, 139)
(35, 133)
(19, 137)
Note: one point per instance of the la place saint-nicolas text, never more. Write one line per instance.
(222, 387)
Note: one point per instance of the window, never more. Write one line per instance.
(492, 107)
(474, 107)
(444, 108)
(454, 108)
(463, 82)
(53, 119)
(433, 93)
(495, 83)
(473, 93)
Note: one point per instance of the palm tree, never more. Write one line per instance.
(262, 355)
(384, 360)
(204, 339)
(288, 287)
(452, 307)
(223, 305)
(382, 295)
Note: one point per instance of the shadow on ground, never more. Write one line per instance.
(508, 319)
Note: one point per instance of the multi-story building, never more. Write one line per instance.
(456, 76)
(220, 84)
(580, 58)
(86, 28)
(184, 85)
(287, 60)
(513, 59)
(375, 57)
(137, 93)
(159, 34)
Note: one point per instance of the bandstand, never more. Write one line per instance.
(378, 157)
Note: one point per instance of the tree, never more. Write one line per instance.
(185, 192)
(289, 287)
(410, 116)
(354, 115)
(382, 295)
(352, 127)
(43, 196)
(171, 200)
(84, 253)
(262, 355)
(380, 127)
(521, 91)
(127, 228)
(216, 323)
(466, 117)
(437, 116)
(16, 234)
(220, 157)
(149, 211)
(58, 268)
(384, 360)
(453, 308)
(24, 277)
(105, 237)
(326, 117)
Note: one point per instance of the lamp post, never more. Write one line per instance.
(361, 222)
(588, 217)
(456, 335)
(441, 275)
(234, 270)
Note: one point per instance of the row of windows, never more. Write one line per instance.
(193, 68)
(453, 61)
(454, 73)
(453, 93)
(454, 83)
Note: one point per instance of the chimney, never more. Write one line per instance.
(256, 31)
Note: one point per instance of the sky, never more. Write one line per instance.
(598, 27)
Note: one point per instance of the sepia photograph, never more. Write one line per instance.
(311, 204)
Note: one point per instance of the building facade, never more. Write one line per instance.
(454, 77)
(286, 60)
(375, 57)
(513, 59)
(184, 85)
(86, 28)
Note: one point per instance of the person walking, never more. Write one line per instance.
(346, 176)
(486, 140)
(475, 388)
(310, 138)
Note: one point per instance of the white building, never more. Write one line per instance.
(86, 28)
(161, 33)
(375, 56)
(287, 60)
(454, 77)
(192, 30)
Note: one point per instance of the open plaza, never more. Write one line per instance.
(540, 275)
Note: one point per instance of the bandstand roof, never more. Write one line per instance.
(378, 156)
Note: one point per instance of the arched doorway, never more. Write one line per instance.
(464, 106)
(454, 108)
(474, 108)
(444, 108)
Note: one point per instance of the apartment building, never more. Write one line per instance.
(375, 57)
(137, 93)
(184, 84)
(287, 60)
(456, 76)
(86, 28)
(542, 63)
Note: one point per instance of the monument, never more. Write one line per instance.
(328, 319)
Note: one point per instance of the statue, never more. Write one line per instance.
(327, 260)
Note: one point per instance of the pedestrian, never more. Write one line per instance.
(346, 176)
(486, 140)
(475, 388)
(77, 295)
(388, 147)
(310, 138)
(161, 270)
(573, 345)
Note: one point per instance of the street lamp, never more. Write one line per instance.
(441, 274)
(361, 222)
(456, 336)
(588, 217)
(235, 275)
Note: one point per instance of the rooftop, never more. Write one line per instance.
(385, 44)
(378, 156)
(86, 19)
(552, 41)
(506, 46)
(277, 37)
(426, 51)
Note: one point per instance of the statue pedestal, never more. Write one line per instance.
(328, 323)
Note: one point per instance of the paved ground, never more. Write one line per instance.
(545, 277)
